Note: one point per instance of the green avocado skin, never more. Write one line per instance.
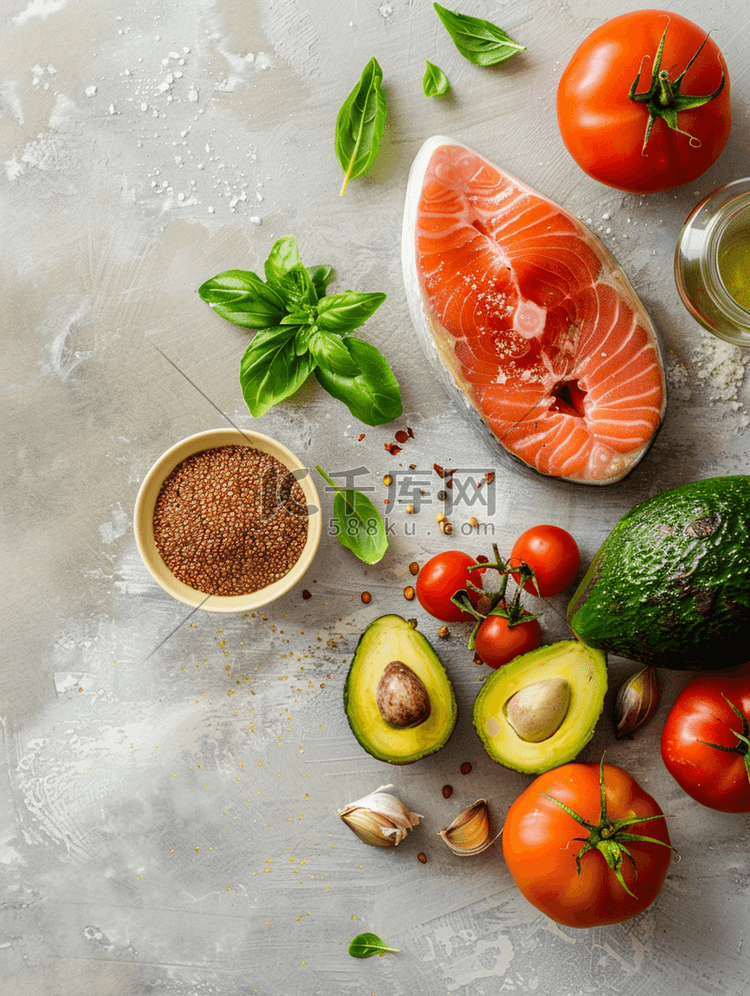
(670, 586)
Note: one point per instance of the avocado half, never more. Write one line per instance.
(387, 639)
(670, 585)
(584, 673)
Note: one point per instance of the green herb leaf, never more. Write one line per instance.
(479, 41)
(367, 945)
(243, 298)
(329, 351)
(360, 528)
(373, 395)
(271, 369)
(321, 276)
(348, 311)
(360, 124)
(283, 257)
(434, 82)
(296, 288)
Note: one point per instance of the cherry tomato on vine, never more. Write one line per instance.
(439, 580)
(639, 118)
(497, 642)
(552, 554)
(704, 743)
(586, 875)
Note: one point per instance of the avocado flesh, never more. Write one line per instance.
(670, 586)
(584, 670)
(391, 638)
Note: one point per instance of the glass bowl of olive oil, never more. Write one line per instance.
(712, 262)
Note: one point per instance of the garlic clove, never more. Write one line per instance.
(471, 831)
(636, 702)
(379, 819)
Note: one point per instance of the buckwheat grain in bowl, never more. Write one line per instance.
(227, 520)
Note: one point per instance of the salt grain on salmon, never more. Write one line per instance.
(230, 521)
(531, 317)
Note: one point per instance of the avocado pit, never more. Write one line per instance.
(537, 711)
(401, 697)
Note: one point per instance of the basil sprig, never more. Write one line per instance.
(357, 523)
(479, 41)
(300, 329)
(434, 82)
(360, 124)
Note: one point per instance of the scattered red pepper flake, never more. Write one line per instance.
(412, 466)
(360, 437)
(411, 432)
(490, 477)
(438, 470)
(392, 448)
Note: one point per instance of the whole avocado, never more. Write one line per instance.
(670, 586)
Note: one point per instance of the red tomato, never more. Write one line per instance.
(439, 580)
(552, 554)
(701, 742)
(497, 642)
(542, 848)
(604, 129)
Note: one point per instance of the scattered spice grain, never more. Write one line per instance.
(422, 857)
(447, 791)
(401, 436)
(409, 593)
(230, 520)
(414, 568)
(366, 597)
(443, 632)
(466, 768)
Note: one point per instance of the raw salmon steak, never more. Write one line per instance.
(531, 317)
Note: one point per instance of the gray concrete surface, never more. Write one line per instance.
(170, 784)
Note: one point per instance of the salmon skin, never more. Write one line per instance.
(530, 316)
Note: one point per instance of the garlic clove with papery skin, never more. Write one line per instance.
(471, 831)
(379, 819)
(636, 702)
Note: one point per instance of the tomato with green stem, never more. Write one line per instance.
(553, 556)
(638, 135)
(440, 578)
(587, 845)
(504, 629)
(705, 742)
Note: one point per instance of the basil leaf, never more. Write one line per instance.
(479, 41)
(243, 298)
(283, 257)
(296, 288)
(305, 317)
(360, 124)
(330, 351)
(434, 82)
(321, 276)
(271, 370)
(346, 312)
(360, 529)
(372, 396)
(367, 945)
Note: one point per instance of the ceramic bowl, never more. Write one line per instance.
(144, 520)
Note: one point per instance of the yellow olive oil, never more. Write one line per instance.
(734, 265)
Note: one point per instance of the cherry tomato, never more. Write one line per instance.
(497, 642)
(604, 129)
(542, 845)
(439, 580)
(552, 554)
(702, 741)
